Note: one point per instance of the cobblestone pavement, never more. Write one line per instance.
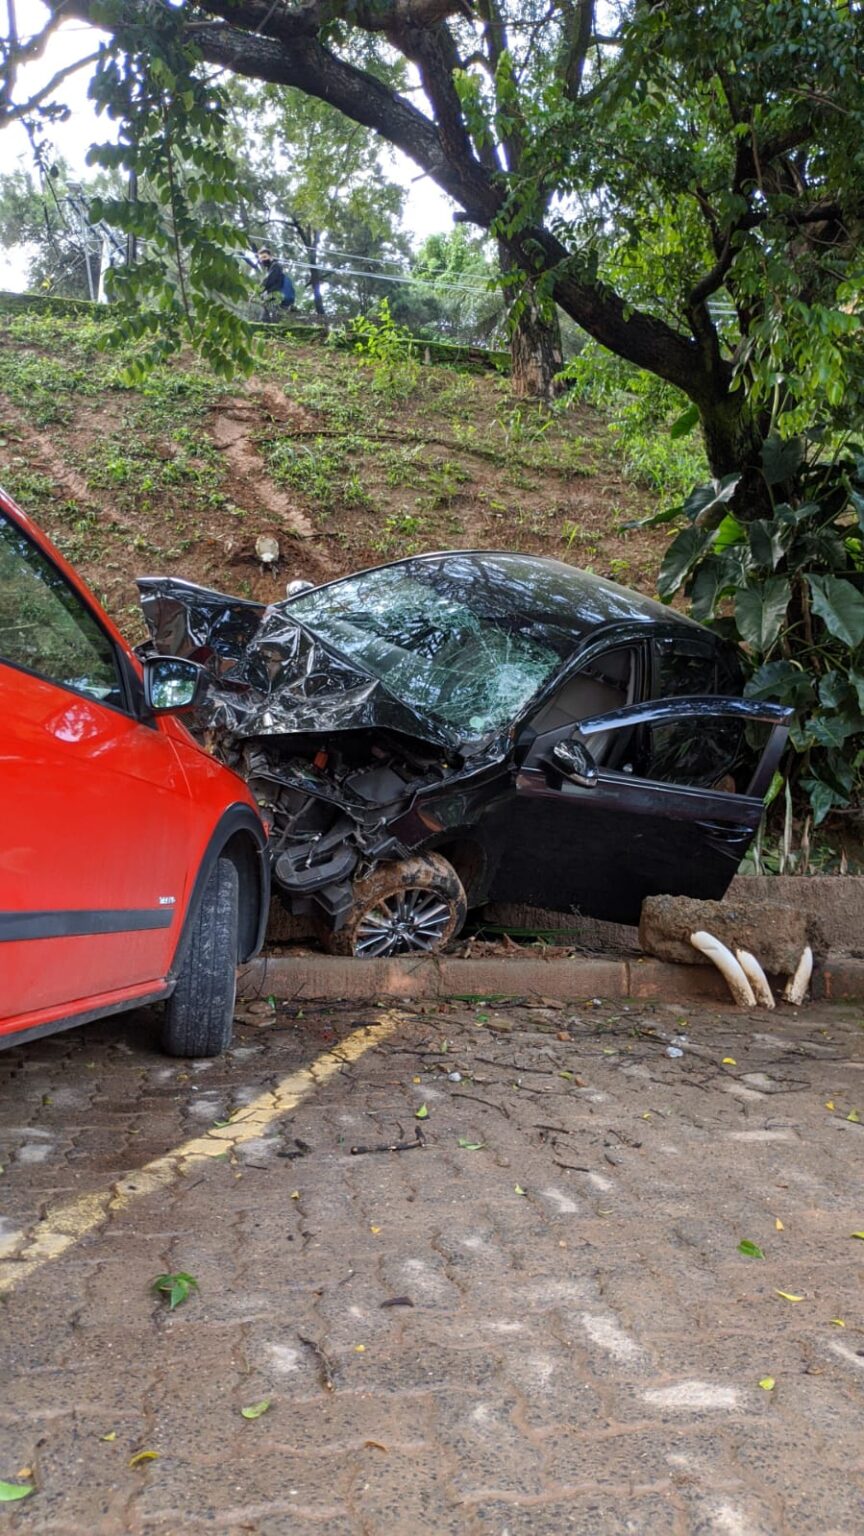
(538, 1321)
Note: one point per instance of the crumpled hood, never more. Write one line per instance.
(271, 675)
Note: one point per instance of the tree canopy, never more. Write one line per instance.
(684, 178)
(635, 160)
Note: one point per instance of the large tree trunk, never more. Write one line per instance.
(315, 285)
(535, 353)
(733, 444)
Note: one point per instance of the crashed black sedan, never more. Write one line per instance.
(462, 727)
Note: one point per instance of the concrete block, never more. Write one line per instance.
(775, 934)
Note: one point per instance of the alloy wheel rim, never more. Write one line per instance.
(409, 921)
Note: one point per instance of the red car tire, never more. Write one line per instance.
(199, 1014)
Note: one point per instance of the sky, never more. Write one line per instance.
(427, 210)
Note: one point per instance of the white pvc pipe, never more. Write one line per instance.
(727, 965)
(756, 977)
(796, 987)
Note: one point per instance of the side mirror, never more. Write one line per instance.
(172, 684)
(575, 762)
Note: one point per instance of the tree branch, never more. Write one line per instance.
(14, 111)
(575, 42)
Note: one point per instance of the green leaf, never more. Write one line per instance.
(823, 797)
(750, 1250)
(760, 611)
(832, 731)
(686, 549)
(768, 541)
(729, 533)
(767, 1383)
(684, 423)
(175, 1287)
(854, 1117)
(518, 1190)
(781, 681)
(781, 459)
(706, 504)
(422, 1113)
(9, 1492)
(255, 1410)
(712, 581)
(840, 606)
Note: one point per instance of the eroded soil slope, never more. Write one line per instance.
(342, 465)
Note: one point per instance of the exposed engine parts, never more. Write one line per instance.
(330, 809)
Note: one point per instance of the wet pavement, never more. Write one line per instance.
(533, 1319)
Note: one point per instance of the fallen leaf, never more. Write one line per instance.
(859, 1235)
(175, 1287)
(9, 1492)
(374, 1445)
(359, 1349)
(470, 1146)
(563, 1035)
(838, 1322)
(518, 1189)
(255, 1410)
(375, 1230)
(295, 1194)
(854, 1117)
(729, 1061)
(422, 1113)
(829, 1104)
(778, 1225)
(647, 1115)
(767, 1383)
(750, 1250)
(24, 1473)
(789, 1296)
(141, 1456)
(111, 1435)
(415, 1079)
(609, 1050)
(567, 1075)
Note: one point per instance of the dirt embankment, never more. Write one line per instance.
(340, 466)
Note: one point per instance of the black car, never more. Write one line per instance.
(469, 726)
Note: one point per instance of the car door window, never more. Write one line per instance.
(607, 683)
(46, 628)
(713, 752)
(683, 666)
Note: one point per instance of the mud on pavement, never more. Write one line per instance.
(535, 1318)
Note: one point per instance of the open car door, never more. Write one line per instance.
(675, 815)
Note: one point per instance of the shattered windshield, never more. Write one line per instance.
(474, 667)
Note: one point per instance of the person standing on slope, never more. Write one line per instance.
(276, 280)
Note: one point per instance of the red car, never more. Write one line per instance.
(132, 866)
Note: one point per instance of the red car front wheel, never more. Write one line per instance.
(199, 1014)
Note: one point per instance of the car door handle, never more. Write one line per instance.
(726, 832)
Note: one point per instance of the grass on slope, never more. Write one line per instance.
(346, 464)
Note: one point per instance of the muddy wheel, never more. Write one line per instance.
(410, 908)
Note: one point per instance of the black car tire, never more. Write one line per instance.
(417, 879)
(199, 1014)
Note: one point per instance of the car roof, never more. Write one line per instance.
(579, 600)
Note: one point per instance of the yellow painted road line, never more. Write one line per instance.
(64, 1225)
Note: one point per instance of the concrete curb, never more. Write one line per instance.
(329, 977)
